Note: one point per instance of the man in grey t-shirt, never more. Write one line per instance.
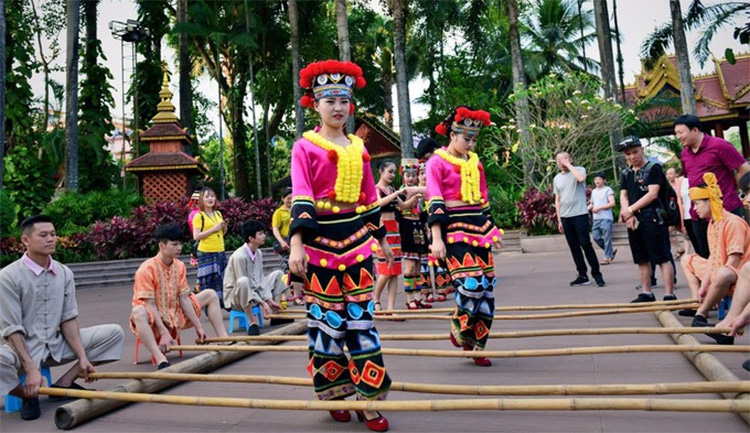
(573, 218)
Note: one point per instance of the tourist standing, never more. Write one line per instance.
(602, 202)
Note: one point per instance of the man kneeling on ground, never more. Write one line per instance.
(729, 245)
(39, 321)
(244, 283)
(162, 301)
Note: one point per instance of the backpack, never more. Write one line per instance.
(670, 208)
(194, 247)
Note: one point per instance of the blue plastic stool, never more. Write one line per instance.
(242, 319)
(724, 306)
(13, 403)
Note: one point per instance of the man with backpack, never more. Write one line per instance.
(645, 210)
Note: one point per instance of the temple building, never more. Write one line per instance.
(722, 98)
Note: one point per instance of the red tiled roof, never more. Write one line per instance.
(165, 161)
(164, 130)
(380, 140)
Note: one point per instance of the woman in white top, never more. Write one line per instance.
(681, 187)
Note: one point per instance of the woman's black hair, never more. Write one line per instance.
(385, 163)
(425, 146)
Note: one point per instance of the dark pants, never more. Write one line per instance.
(668, 246)
(700, 232)
(577, 234)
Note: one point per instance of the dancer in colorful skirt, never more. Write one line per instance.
(463, 232)
(390, 205)
(413, 238)
(209, 229)
(334, 232)
(435, 272)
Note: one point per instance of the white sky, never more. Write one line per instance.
(636, 19)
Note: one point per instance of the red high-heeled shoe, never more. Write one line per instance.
(421, 304)
(379, 424)
(340, 415)
(482, 362)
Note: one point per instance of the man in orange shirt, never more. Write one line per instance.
(162, 301)
(729, 244)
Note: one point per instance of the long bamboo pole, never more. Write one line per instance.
(528, 353)
(74, 413)
(545, 307)
(437, 388)
(558, 404)
(710, 367)
(518, 316)
(509, 334)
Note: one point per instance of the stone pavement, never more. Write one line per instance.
(526, 279)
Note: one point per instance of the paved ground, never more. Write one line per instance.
(529, 279)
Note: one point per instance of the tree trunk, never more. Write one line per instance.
(235, 107)
(583, 44)
(73, 14)
(620, 60)
(687, 93)
(186, 91)
(387, 79)
(251, 82)
(519, 84)
(299, 113)
(2, 92)
(402, 82)
(609, 84)
(45, 67)
(342, 26)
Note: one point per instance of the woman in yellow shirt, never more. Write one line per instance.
(209, 228)
(280, 222)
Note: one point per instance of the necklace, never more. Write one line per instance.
(469, 170)
(349, 162)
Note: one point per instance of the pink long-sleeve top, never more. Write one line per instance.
(444, 184)
(315, 171)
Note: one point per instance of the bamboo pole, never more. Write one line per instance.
(528, 353)
(518, 316)
(74, 413)
(557, 404)
(710, 367)
(509, 334)
(544, 307)
(597, 389)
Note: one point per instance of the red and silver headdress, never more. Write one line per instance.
(330, 78)
(464, 120)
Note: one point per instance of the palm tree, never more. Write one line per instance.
(402, 82)
(185, 66)
(699, 16)
(552, 31)
(73, 15)
(519, 83)
(603, 35)
(687, 94)
(299, 114)
(342, 26)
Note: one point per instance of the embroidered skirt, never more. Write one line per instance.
(413, 239)
(211, 271)
(469, 235)
(338, 296)
(393, 237)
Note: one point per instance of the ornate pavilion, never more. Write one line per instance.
(722, 98)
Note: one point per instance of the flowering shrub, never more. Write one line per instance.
(537, 210)
(131, 236)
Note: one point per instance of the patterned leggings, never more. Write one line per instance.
(473, 274)
(339, 313)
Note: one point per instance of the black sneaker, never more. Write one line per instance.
(687, 312)
(699, 321)
(253, 330)
(644, 297)
(582, 280)
(163, 365)
(30, 409)
(669, 297)
(599, 281)
(746, 365)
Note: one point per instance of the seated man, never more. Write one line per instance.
(729, 245)
(39, 321)
(738, 315)
(162, 301)
(244, 283)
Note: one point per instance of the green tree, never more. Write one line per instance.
(98, 170)
(552, 29)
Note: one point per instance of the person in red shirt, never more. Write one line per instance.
(706, 154)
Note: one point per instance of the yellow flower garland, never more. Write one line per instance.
(469, 175)
(348, 165)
